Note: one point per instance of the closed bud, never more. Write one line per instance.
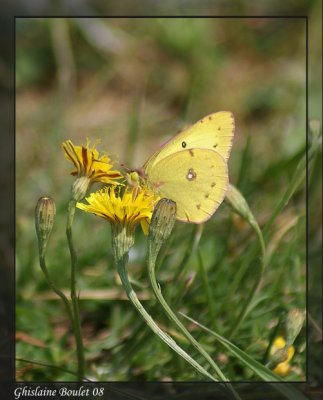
(294, 322)
(162, 223)
(280, 355)
(44, 220)
(239, 205)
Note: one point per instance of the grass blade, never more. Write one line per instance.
(260, 370)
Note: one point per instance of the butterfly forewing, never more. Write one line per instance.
(196, 179)
(214, 132)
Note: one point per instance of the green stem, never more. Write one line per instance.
(152, 256)
(181, 270)
(121, 267)
(207, 289)
(53, 367)
(53, 286)
(74, 297)
(256, 286)
(295, 182)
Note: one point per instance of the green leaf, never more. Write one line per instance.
(260, 370)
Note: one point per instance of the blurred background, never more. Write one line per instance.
(132, 84)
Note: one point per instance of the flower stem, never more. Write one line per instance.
(152, 256)
(52, 285)
(256, 286)
(121, 267)
(241, 207)
(207, 289)
(74, 297)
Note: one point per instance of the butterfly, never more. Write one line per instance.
(191, 168)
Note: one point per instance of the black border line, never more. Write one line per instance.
(166, 16)
(306, 199)
(220, 17)
(306, 130)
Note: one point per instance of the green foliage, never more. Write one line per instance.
(178, 71)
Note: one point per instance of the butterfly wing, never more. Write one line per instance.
(215, 131)
(196, 179)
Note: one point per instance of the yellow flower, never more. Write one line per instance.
(277, 348)
(90, 167)
(125, 209)
(88, 163)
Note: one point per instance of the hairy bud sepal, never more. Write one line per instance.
(44, 220)
(161, 224)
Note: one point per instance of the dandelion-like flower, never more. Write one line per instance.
(124, 210)
(121, 208)
(89, 167)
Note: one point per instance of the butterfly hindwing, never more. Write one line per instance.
(196, 179)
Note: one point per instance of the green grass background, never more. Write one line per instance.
(133, 83)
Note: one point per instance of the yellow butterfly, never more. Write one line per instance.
(191, 168)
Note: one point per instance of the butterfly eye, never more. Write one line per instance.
(183, 145)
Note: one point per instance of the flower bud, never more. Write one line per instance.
(294, 322)
(44, 220)
(163, 219)
(280, 355)
(239, 205)
(162, 223)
